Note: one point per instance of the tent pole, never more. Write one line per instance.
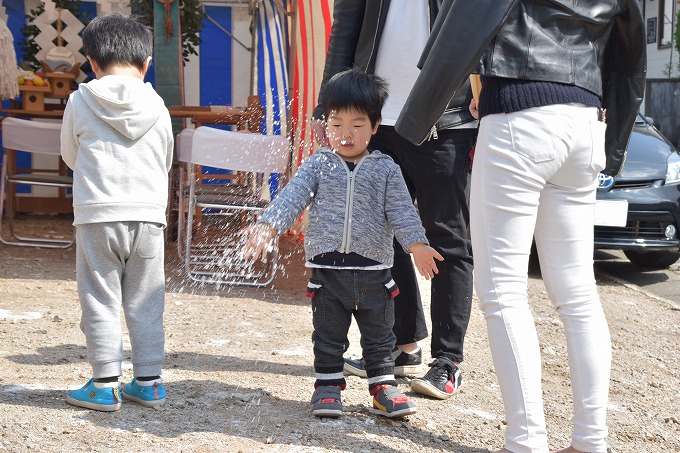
(291, 61)
(292, 48)
(254, 12)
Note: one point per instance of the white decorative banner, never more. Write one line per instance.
(71, 28)
(50, 9)
(3, 13)
(104, 6)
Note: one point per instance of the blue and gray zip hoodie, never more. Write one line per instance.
(359, 211)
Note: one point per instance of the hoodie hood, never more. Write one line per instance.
(126, 103)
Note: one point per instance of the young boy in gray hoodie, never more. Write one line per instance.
(358, 202)
(117, 138)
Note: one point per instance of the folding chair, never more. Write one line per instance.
(33, 137)
(214, 184)
(219, 206)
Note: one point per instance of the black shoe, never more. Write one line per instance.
(405, 364)
(355, 367)
(443, 380)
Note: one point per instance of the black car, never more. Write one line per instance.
(638, 211)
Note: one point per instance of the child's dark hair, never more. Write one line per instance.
(117, 39)
(357, 90)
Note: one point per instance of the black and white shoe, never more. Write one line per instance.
(405, 364)
(443, 380)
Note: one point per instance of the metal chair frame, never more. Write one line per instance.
(215, 258)
(14, 133)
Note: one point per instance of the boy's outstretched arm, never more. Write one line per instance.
(259, 240)
(424, 257)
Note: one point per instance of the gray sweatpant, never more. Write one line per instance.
(121, 263)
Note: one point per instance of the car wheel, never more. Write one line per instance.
(654, 260)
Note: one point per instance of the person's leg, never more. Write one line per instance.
(100, 253)
(438, 169)
(144, 298)
(409, 318)
(563, 230)
(332, 305)
(374, 313)
(505, 191)
(331, 315)
(100, 256)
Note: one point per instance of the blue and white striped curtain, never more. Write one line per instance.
(271, 73)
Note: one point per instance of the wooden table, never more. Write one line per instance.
(243, 118)
(56, 113)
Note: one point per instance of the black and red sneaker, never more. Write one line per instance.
(388, 401)
(443, 380)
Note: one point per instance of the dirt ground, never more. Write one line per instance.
(239, 377)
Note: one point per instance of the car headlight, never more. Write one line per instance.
(673, 169)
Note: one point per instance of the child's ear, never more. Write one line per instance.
(94, 66)
(147, 63)
(375, 128)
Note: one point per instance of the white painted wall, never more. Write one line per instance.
(241, 72)
(658, 59)
(241, 57)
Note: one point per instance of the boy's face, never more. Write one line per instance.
(349, 132)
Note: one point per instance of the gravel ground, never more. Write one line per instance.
(239, 377)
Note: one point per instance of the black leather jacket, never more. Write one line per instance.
(597, 45)
(354, 40)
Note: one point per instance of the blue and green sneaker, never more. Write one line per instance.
(146, 393)
(100, 396)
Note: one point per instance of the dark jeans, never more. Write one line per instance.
(341, 294)
(437, 177)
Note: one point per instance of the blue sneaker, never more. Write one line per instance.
(100, 396)
(146, 393)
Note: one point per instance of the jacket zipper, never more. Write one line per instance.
(375, 36)
(349, 202)
(433, 133)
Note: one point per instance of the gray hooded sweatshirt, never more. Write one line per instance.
(117, 138)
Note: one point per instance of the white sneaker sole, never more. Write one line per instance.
(425, 388)
(327, 413)
(399, 371)
(141, 401)
(93, 406)
(396, 414)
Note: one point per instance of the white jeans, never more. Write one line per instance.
(535, 175)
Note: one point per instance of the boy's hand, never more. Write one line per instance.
(424, 257)
(259, 241)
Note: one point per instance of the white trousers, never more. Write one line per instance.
(535, 175)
